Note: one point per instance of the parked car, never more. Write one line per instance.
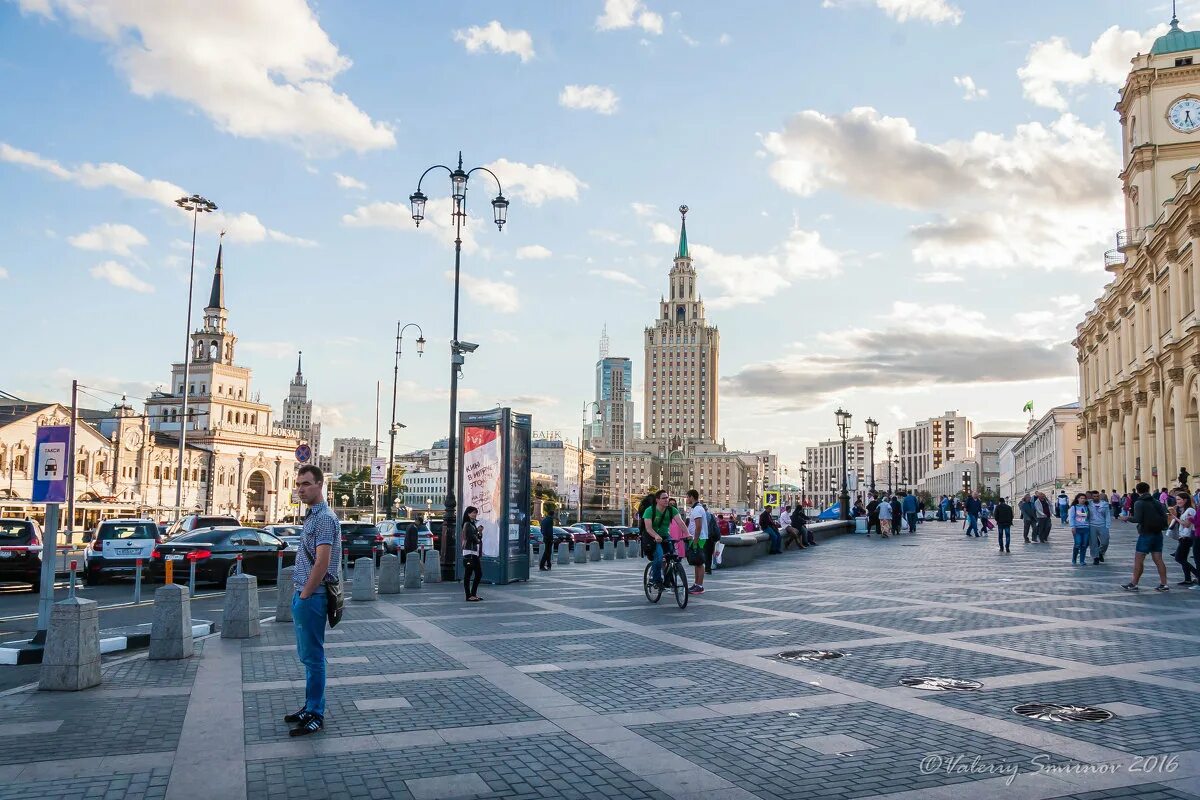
(116, 547)
(290, 534)
(361, 540)
(215, 552)
(196, 521)
(614, 533)
(592, 527)
(21, 552)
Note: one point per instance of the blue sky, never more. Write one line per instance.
(900, 206)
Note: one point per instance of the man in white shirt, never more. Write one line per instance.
(698, 527)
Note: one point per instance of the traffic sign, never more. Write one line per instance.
(378, 471)
(303, 453)
(50, 465)
(771, 498)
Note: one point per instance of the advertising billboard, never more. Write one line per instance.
(493, 476)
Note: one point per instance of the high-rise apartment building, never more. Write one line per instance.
(823, 481)
(612, 429)
(297, 410)
(930, 443)
(681, 360)
(351, 455)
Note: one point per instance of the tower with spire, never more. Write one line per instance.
(682, 355)
(297, 408)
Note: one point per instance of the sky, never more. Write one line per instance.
(896, 206)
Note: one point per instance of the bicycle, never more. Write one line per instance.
(674, 575)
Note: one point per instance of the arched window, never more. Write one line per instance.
(254, 419)
(195, 474)
(214, 351)
(157, 473)
(229, 416)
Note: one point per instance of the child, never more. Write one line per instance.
(1079, 518)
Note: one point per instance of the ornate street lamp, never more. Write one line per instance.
(458, 193)
(843, 423)
(395, 382)
(872, 432)
(803, 480)
(197, 205)
(889, 461)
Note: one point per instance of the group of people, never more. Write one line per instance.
(890, 514)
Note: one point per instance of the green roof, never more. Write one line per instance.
(683, 248)
(1176, 40)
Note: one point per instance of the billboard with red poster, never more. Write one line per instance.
(494, 478)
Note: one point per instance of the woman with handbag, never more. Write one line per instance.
(472, 539)
(1183, 528)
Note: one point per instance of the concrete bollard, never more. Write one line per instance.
(610, 552)
(171, 629)
(364, 579)
(581, 553)
(433, 566)
(285, 590)
(412, 571)
(593, 551)
(389, 574)
(71, 659)
(564, 553)
(620, 548)
(239, 620)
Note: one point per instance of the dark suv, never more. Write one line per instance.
(196, 521)
(361, 540)
(21, 552)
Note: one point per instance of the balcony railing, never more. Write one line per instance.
(1130, 238)
(1114, 260)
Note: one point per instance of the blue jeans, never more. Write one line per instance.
(1004, 535)
(972, 524)
(912, 521)
(1082, 535)
(776, 540)
(308, 617)
(656, 563)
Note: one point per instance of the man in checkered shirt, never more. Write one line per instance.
(319, 555)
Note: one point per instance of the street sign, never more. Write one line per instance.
(378, 471)
(50, 464)
(303, 453)
(771, 498)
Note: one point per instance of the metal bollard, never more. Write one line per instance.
(279, 568)
(239, 563)
(192, 577)
(168, 573)
(71, 587)
(137, 582)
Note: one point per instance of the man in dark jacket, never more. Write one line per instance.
(547, 527)
(1004, 520)
(767, 523)
(1151, 519)
(896, 518)
(972, 506)
(412, 537)
(1027, 516)
(873, 515)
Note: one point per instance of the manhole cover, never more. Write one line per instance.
(1056, 712)
(810, 655)
(940, 684)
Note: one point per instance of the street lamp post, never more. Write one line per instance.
(843, 423)
(872, 432)
(803, 480)
(889, 460)
(197, 205)
(458, 195)
(395, 382)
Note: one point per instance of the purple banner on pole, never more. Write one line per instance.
(50, 464)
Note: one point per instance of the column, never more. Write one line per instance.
(1105, 443)
(1160, 442)
(1130, 453)
(1179, 405)
(274, 510)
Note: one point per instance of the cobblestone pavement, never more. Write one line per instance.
(572, 685)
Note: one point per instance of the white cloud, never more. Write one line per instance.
(620, 14)
(1052, 65)
(242, 227)
(3, 274)
(724, 39)
(600, 99)
(644, 209)
(940, 277)
(109, 238)
(494, 37)
(616, 276)
(260, 69)
(537, 183)
(612, 237)
(533, 252)
(970, 90)
(935, 11)
(502, 297)
(346, 182)
(1043, 197)
(120, 276)
(398, 216)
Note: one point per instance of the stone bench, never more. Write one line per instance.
(742, 548)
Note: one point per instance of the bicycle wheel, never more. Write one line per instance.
(653, 593)
(681, 585)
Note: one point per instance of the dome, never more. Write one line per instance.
(1176, 40)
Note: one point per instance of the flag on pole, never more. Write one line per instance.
(1028, 407)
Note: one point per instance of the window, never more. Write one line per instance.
(1186, 61)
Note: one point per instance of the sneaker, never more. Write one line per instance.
(313, 724)
(696, 590)
(1101, 559)
(1130, 587)
(1185, 583)
(1162, 587)
(1008, 551)
(298, 716)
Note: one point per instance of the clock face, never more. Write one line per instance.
(132, 439)
(1184, 114)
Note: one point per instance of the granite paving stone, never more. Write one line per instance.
(274, 665)
(148, 785)
(548, 649)
(1078, 644)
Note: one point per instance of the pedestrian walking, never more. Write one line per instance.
(1114, 502)
(318, 560)
(412, 537)
(897, 513)
(1183, 530)
(698, 529)
(909, 506)
(547, 529)
(872, 514)
(1061, 504)
(1101, 523)
(767, 523)
(885, 518)
(1079, 518)
(1041, 509)
(472, 539)
(972, 505)
(1150, 516)
(1004, 521)
(1028, 518)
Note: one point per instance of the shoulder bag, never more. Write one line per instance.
(335, 600)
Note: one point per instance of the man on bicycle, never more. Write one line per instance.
(656, 522)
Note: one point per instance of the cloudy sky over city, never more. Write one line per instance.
(898, 206)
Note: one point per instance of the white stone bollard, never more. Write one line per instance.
(285, 590)
(239, 620)
(433, 566)
(593, 551)
(171, 629)
(610, 551)
(581, 554)
(389, 574)
(564, 553)
(71, 659)
(620, 548)
(364, 579)
(412, 571)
